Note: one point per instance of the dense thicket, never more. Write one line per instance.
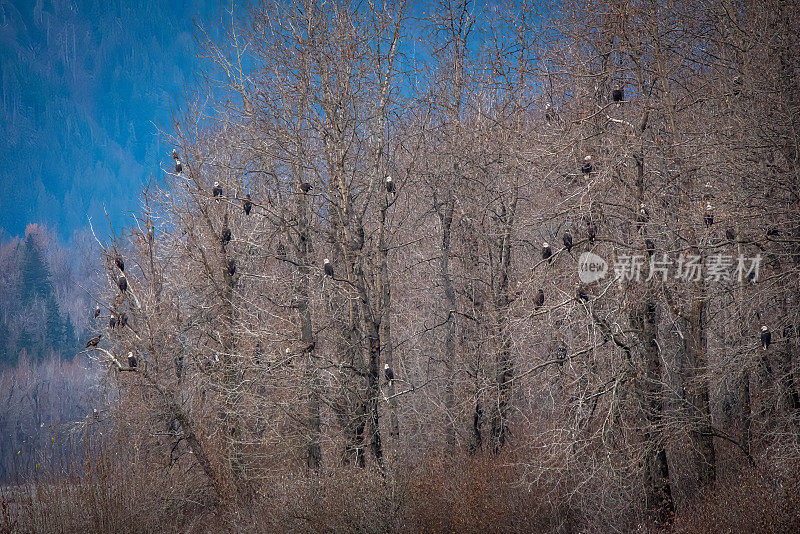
(616, 404)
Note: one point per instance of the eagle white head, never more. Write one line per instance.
(587, 158)
(764, 328)
(386, 365)
(216, 184)
(388, 179)
(545, 245)
(708, 207)
(175, 153)
(287, 351)
(130, 354)
(708, 184)
(641, 205)
(325, 260)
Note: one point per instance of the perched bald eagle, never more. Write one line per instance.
(119, 263)
(231, 267)
(328, 268)
(216, 191)
(388, 373)
(94, 341)
(122, 283)
(112, 321)
(591, 230)
(178, 166)
(618, 95)
(730, 234)
(766, 337)
(123, 319)
(389, 185)
(97, 311)
(131, 360)
(174, 153)
(225, 236)
(247, 204)
(568, 241)
(708, 217)
(305, 187)
(587, 167)
(539, 300)
(547, 252)
(650, 246)
(642, 218)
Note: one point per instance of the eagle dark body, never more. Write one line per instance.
(618, 95)
(94, 341)
(247, 204)
(580, 294)
(132, 363)
(225, 235)
(547, 253)
(567, 241)
(730, 234)
(329, 270)
(766, 339)
(119, 263)
(390, 186)
(97, 312)
(122, 283)
(216, 190)
(587, 168)
(231, 268)
(305, 187)
(539, 300)
(178, 167)
(591, 231)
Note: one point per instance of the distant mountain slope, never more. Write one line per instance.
(82, 85)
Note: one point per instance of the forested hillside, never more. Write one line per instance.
(84, 87)
(485, 268)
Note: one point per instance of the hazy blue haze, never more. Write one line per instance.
(83, 85)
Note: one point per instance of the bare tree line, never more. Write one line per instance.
(251, 361)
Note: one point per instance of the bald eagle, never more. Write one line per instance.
(708, 217)
(650, 246)
(231, 267)
(119, 263)
(389, 185)
(122, 283)
(591, 230)
(178, 166)
(547, 252)
(123, 319)
(174, 153)
(225, 236)
(539, 300)
(247, 205)
(328, 268)
(568, 241)
(766, 337)
(730, 234)
(112, 321)
(642, 218)
(131, 360)
(587, 167)
(305, 187)
(216, 191)
(94, 341)
(388, 373)
(97, 311)
(618, 95)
